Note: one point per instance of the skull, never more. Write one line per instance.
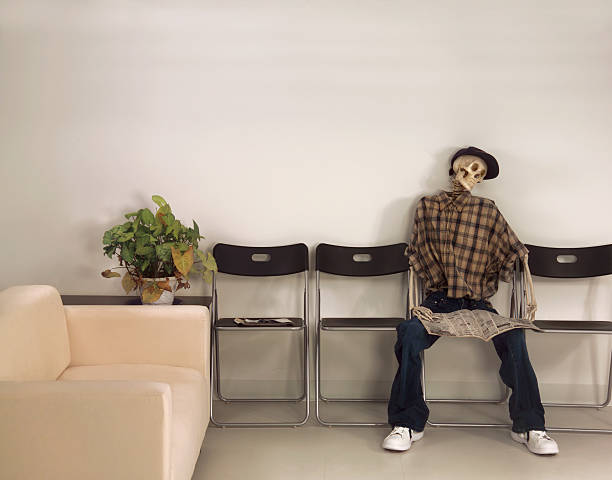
(469, 170)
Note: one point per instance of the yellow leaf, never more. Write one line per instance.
(151, 294)
(164, 285)
(109, 274)
(183, 262)
(128, 283)
(208, 275)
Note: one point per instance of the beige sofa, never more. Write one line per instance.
(100, 392)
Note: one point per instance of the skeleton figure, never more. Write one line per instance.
(469, 171)
(461, 246)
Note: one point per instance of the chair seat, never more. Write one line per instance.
(574, 326)
(228, 323)
(360, 323)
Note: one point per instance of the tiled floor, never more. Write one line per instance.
(316, 452)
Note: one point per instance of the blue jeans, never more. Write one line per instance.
(406, 405)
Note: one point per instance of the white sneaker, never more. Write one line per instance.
(537, 441)
(400, 439)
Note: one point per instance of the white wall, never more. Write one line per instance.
(275, 122)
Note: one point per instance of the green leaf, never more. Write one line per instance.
(208, 261)
(145, 250)
(108, 237)
(144, 265)
(143, 245)
(158, 228)
(159, 200)
(164, 252)
(109, 274)
(147, 217)
(207, 276)
(196, 228)
(130, 215)
(201, 255)
(174, 228)
(128, 283)
(162, 214)
(127, 252)
(126, 236)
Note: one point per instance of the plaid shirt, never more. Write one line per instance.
(464, 245)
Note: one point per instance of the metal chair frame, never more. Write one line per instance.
(503, 399)
(319, 328)
(518, 309)
(547, 326)
(215, 370)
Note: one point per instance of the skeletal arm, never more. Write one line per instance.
(528, 290)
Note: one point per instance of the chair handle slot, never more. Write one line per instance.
(362, 257)
(566, 259)
(261, 257)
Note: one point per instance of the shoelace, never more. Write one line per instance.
(401, 431)
(541, 435)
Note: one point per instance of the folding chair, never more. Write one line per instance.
(259, 262)
(573, 263)
(514, 311)
(353, 262)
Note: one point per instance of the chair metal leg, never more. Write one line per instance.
(244, 399)
(605, 403)
(460, 424)
(459, 400)
(355, 400)
(302, 421)
(318, 395)
(306, 374)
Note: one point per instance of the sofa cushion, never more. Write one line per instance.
(189, 405)
(33, 334)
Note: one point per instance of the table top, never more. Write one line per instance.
(129, 300)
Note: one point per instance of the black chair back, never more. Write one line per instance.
(261, 261)
(570, 262)
(362, 261)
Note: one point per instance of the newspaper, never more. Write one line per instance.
(262, 322)
(469, 323)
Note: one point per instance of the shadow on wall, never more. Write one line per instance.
(397, 219)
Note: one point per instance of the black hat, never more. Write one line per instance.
(492, 166)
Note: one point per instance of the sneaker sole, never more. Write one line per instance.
(415, 438)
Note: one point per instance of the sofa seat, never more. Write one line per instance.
(189, 393)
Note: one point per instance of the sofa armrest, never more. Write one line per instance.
(176, 335)
(76, 430)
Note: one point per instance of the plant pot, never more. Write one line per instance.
(166, 298)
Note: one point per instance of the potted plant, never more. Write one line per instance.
(157, 252)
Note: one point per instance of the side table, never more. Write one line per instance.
(129, 300)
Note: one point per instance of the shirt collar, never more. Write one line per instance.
(445, 200)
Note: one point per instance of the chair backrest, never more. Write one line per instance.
(261, 261)
(33, 334)
(570, 262)
(362, 261)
